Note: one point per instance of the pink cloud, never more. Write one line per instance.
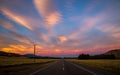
(28, 22)
(48, 12)
(111, 29)
(89, 23)
(7, 25)
(17, 18)
(62, 38)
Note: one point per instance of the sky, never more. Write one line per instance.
(59, 27)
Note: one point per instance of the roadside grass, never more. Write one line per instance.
(22, 65)
(11, 61)
(108, 65)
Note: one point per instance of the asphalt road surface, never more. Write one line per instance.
(63, 67)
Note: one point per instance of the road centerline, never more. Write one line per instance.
(41, 69)
(63, 68)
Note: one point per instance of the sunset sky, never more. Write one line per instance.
(59, 27)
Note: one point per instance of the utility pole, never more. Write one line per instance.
(34, 51)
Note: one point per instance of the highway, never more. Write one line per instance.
(60, 67)
(63, 67)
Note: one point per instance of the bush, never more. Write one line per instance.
(102, 56)
(84, 56)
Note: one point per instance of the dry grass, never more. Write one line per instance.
(108, 65)
(6, 61)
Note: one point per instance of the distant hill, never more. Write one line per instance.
(36, 56)
(31, 56)
(116, 53)
(2, 53)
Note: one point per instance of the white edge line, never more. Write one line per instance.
(84, 69)
(43, 68)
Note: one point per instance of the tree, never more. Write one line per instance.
(84, 56)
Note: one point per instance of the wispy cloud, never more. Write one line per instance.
(7, 25)
(111, 29)
(48, 12)
(76, 27)
(18, 49)
(87, 24)
(17, 18)
(92, 5)
(62, 38)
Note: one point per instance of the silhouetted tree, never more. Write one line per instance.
(84, 56)
(103, 57)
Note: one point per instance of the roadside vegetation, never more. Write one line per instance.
(108, 65)
(22, 65)
(11, 61)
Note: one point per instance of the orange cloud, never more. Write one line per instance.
(48, 12)
(39, 47)
(62, 38)
(8, 50)
(53, 19)
(21, 49)
(57, 51)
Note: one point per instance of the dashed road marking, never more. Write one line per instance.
(33, 73)
(63, 68)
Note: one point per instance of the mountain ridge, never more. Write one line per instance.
(115, 52)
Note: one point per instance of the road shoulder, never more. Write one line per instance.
(97, 71)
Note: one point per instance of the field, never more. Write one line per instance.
(8, 61)
(108, 65)
(21, 65)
